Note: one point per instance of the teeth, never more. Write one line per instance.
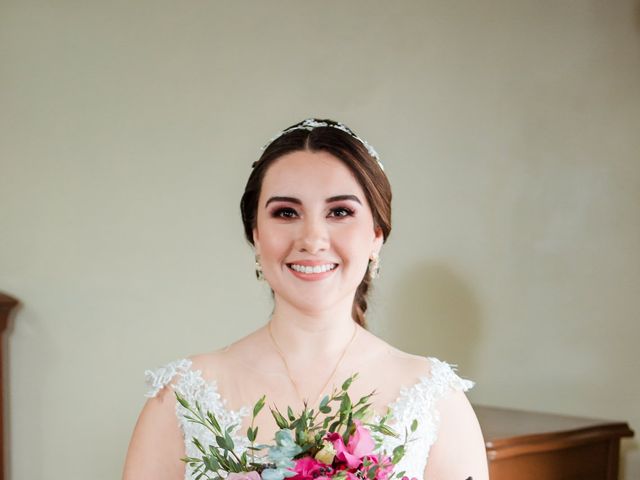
(316, 269)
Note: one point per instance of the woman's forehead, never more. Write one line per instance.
(309, 173)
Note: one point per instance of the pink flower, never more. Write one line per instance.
(407, 478)
(359, 445)
(243, 476)
(308, 468)
(385, 467)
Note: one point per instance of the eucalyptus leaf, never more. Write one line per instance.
(345, 405)
(348, 381)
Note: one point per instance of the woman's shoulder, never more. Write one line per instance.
(413, 374)
(429, 371)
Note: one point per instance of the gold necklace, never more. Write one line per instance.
(295, 385)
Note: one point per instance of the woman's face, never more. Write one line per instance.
(314, 232)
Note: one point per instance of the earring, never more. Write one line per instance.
(259, 274)
(374, 266)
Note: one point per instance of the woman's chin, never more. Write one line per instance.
(310, 303)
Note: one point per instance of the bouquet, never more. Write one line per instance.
(342, 445)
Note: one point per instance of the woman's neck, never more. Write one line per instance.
(316, 336)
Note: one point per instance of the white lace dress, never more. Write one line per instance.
(417, 401)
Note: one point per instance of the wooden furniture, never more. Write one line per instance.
(525, 445)
(7, 304)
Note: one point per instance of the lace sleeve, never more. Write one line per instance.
(420, 401)
(444, 378)
(159, 378)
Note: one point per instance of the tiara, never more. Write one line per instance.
(311, 123)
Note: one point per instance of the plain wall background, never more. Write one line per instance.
(510, 132)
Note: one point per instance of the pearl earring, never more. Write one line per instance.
(374, 266)
(259, 274)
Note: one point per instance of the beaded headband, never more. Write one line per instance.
(311, 123)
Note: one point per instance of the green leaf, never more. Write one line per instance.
(251, 435)
(345, 404)
(290, 414)
(209, 464)
(325, 409)
(348, 381)
(398, 453)
(324, 401)
(361, 412)
(198, 445)
(182, 401)
(388, 431)
(366, 397)
(280, 420)
(214, 454)
(221, 442)
(229, 440)
(258, 406)
(214, 421)
(414, 425)
(340, 475)
(372, 472)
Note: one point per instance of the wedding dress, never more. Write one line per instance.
(415, 401)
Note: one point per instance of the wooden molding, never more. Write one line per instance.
(7, 304)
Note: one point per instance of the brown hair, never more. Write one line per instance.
(354, 155)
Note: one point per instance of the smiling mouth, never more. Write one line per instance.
(315, 269)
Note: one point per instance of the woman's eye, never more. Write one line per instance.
(341, 212)
(284, 213)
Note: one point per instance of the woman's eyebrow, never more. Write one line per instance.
(339, 198)
(297, 201)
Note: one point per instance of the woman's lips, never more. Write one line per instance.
(318, 271)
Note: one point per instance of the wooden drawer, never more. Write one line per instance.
(524, 445)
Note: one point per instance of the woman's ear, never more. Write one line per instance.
(256, 241)
(378, 240)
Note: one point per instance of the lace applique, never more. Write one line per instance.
(159, 378)
(194, 388)
(415, 402)
(419, 402)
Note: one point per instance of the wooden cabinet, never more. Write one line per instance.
(7, 304)
(525, 445)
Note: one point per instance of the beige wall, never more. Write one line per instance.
(510, 131)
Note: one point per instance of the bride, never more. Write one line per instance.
(317, 209)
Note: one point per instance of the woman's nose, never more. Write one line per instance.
(314, 236)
